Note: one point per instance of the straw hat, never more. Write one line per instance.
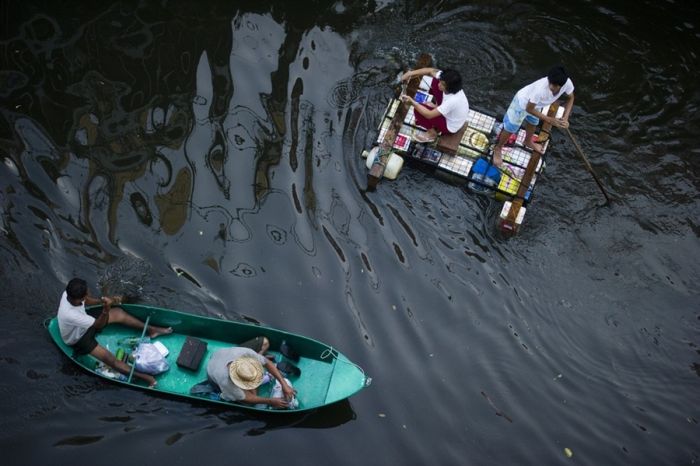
(246, 372)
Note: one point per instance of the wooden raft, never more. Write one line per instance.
(377, 171)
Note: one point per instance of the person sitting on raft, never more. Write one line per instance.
(451, 108)
(78, 327)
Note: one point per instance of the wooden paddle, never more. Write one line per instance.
(588, 165)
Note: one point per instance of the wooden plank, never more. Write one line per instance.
(377, 171)
(509, 223)
(449, 143)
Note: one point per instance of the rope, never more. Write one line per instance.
(330, 351)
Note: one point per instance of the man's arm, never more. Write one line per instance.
(255, 399)
(90, 301)
(562, 122)
(531, 109)
(101, 321)
(426, 112)
(419, 72)
(569, 106)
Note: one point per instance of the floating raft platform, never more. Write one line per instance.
(464, 158)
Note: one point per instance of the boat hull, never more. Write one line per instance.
(327, 376)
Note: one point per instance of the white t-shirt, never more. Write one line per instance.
(455, 109)
(539, 94)
(73, 321)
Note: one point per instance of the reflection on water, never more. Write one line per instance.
(207, 159)
(331, 416)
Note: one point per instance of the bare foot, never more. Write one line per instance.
(534, 146)
(158, 331)
(149, 379)
(428, 136)
(497, 159)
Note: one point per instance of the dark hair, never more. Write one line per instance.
(453, 81)
(557, 75)
(76, 288)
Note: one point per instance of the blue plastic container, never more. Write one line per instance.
(484, 177)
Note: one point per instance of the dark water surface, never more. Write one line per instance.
(206, 158)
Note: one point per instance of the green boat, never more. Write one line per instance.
(326, 375)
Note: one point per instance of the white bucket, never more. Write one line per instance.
(393, 166)
(371, 156)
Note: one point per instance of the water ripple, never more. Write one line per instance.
(198, 158)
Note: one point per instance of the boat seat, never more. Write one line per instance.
(449, 143)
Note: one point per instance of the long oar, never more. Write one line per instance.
(143, 334)
(588, 165)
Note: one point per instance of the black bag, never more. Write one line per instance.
(192, 353)
(288, 351)
(288, 369)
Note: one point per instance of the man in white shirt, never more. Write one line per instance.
(527, 106)
(452, 109)
(78, 327)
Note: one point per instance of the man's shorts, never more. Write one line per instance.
(87, 342)
(515, 115)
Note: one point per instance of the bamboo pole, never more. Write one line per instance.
(588, 165)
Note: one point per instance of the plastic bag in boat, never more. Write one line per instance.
(149, 360)
(277, 392)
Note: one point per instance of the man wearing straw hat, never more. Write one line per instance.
(238, 372)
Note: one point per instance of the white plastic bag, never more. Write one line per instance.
(278, 393)
(149, 360)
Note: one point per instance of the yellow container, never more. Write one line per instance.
(510, 182)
